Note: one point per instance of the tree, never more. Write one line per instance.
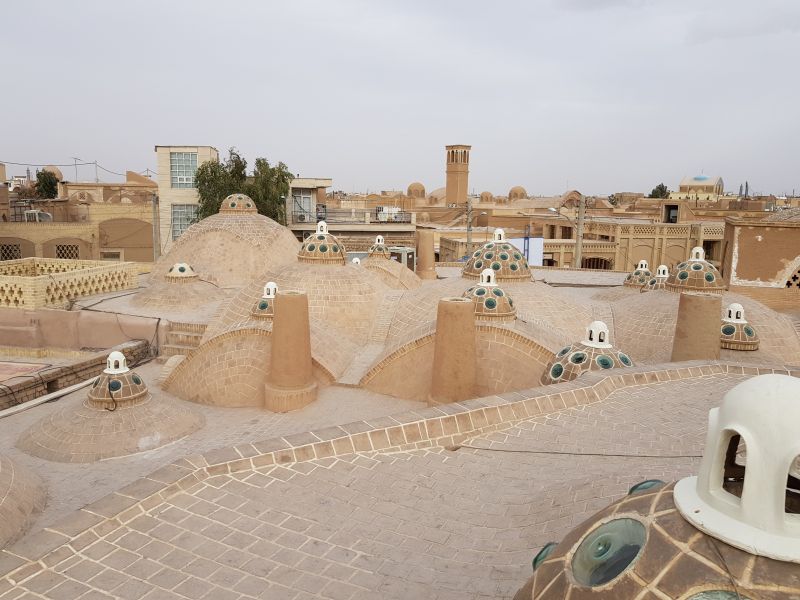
(660, 191)
(46, 185)
(269, 188)
(612, 199)
(268, 185)
(215, 181)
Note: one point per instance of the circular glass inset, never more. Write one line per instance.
(506, 247)
(510, 302)
(263, 305)
(249, 205)
(233, 204)
(625, 359)
(728, 330)
(490, 303)
(604, 362)
(696, 267)
(652, 282)
(710, 277)
(517, 255)
(114, 385)
(718, 595)
(321, 238)
(683, 275)
(513, 266)
(556, 371)
(480, 291)
(563, 351)
(477, 253)
(489, 246)
(96, 382)
(644, 485)
(503, 256)
(496, 266)
(682, 265)
(136, 379)
(478, 264)
(542, 555)
(335, 248)
(323, 248)
(637, 273)
(489, 255)
(749, 331)
(310, 247)
(608, 551)
(171, 268)
(578, 358)
(182, 269)
(498, 292)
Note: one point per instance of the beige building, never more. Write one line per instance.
(176, 188)
(457, 174)
(699, 187)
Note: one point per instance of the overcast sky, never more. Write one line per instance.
(597, 95)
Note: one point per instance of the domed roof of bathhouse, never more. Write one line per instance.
(238, 203)
(501, 256)
(639, 276)
(490, 300)
(658, 281)
(322, 247)
(379, 249)
(696, 274)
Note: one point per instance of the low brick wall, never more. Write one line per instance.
(49, 282)
(29, 387)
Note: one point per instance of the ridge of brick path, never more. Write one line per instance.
(391, 517)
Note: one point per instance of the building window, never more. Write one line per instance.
(10, 252)
(302, 205)
(68, 251)
(110, 255)
(182, 216)
(182, 167)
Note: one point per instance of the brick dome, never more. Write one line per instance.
(238, 203)
(696, 274)
(322, 248)
(503, 258)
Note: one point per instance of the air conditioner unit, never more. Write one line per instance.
(302, 218)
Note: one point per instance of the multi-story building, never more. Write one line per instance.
(177, 191)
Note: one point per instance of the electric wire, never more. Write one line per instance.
(564, 453)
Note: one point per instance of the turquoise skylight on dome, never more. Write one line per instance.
(701, 177)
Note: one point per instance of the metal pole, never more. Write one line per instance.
(579, 233)
(156, 230)
(469, 225)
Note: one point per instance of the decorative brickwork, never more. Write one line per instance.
(21, 497)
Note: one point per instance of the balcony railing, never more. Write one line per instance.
(352, 216)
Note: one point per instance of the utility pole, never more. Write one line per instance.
(75, 159)
(469, 225)
(96, 178)
(578, 258)
(156, 230)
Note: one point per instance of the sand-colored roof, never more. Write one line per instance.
(789, 215)
(22, 495)
(392, 273)
(502, 257)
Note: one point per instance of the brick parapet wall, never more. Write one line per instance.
(443, 426)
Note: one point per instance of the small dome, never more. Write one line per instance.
(487, 197)
(238, 203)
(745, 501)
(379, 249)
(503, 258)
(322, 247)
(517, 193)
(116, 363)
(657, 282)
(594, 353)
(117, 387)
(490, 300)
(416, 190)
(55, 171)
(735, 332)
(696, 274)
(640, 276)
(180, 272)
(356, 261)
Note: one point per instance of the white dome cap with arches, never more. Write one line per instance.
(499, 235)
(488, 278)
(356, 261)
(322, 228)
(697, 254)
(753, 507)
(734, 313)
(270, 289)
(597, 335)
(643, 264)
(116, 363)
(662, 271)
(379, 239)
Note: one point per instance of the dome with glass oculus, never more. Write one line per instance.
(735, 332)
(238, 203)
(503, 258)
(490, 300)
(379, 249)
(696, 274)
(639, 276)
(265, 307)
(709, 537)
(322, 248)
(180, 272)
(658, 281)
(595, 353)
(117, 385)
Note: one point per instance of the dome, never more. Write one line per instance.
(642, 547)
(116, 363)
(490, 300)
(696, 274)
(238, 203)
(657, 282)
(639, 276)
(593, 353)
(22, 496)
(265, 307)
(735, 332)
(117, 385)
(517, 193)
(746, 493)
(487, 197)
(416, 190)
(701, 177)
(55, 171)
(180, 272)
(322, 248)
(379, 249)
(503, 258)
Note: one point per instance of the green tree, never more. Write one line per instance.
(46, 185)
(269, 187)
(216, 180)
(660, 191)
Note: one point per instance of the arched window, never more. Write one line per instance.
(601, 337)
(734, 467)
(738, 314)
(116, 364)
(591, 336)
(792, 505)
(730, 313)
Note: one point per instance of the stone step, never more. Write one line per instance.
(168, 350)
(187, 327)
(169, 366)
(184, 338)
